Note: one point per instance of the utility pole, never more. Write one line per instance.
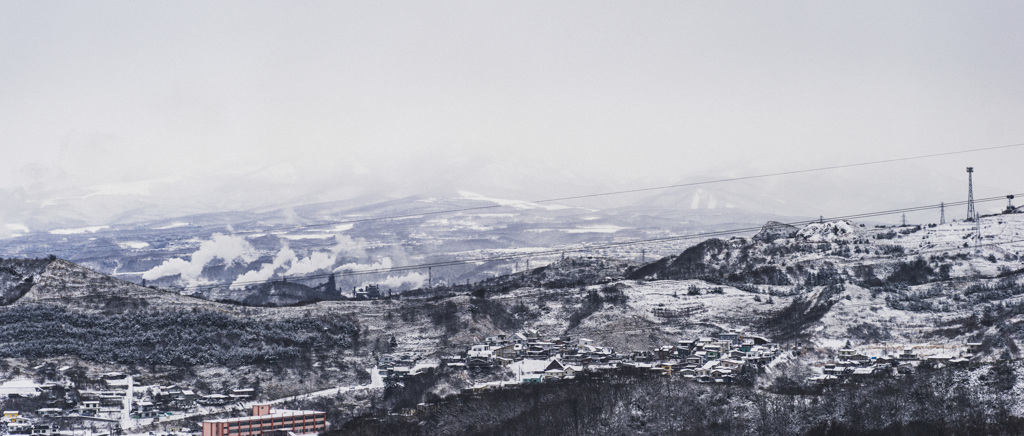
(430, 277)
(971, 214)
(904, 220)
(942, 213)
(643, 255)
(977, 231)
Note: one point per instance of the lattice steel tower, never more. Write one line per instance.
(971, 214)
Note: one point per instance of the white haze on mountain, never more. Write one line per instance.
(112, 114)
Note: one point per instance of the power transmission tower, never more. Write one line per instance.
(904, 220)
(643, 255)
(430, 277)
(942, 213)
(971, 214)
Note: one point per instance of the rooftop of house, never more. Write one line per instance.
(274, 413)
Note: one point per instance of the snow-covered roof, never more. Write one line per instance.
(273, 414)
(529, 366)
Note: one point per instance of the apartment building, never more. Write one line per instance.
(267, 420)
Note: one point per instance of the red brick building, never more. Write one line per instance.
(265, 420)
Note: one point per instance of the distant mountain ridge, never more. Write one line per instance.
(431, 229)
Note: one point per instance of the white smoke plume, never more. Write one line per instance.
(413, 279)
(316, 261)
(322, 260)
(348, 246)
(384, 263)
(266, 271)
(226, 247)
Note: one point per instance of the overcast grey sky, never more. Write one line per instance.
(232, 104)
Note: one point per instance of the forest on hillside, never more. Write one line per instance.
(931, 402)
(182, 338)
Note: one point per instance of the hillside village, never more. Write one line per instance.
(116, 405)
(532, 358)
(521, 358)
(910, 298)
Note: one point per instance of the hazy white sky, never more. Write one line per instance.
(233, 104)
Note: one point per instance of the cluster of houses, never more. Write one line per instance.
(117, 399)
(177, 398)
(402, 366)
(503, 350)
(16, 423)
(707, 360)
(852, 365)
(533, 358)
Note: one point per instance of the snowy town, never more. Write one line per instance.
(528, 357)
(127, 408)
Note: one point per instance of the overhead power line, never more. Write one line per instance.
(520, 293)
(638, 190)
(556, 251)
(584, 196)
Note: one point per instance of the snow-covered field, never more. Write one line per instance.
(23, 386)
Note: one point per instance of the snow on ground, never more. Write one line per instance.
(525, 367)
(306, 236)
(78, 231)
(1005, 230)
(376, 382)
(514, 203)
(828, 231)
(465, 223)
(171, 226)
(598, 228)
(137, 245)
(23, 386)
(341, 228)
(899, 328)
(729, 310)
(15, 230)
